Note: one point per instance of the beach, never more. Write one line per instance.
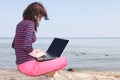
(13, 74)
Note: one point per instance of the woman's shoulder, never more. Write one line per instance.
(26, 22)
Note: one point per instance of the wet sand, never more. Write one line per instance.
(12, 74)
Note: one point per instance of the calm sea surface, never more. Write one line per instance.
(83, 53)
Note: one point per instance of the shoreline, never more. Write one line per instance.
(14, 74)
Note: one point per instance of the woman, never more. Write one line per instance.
(25, 37)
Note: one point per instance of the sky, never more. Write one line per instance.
(68, 18)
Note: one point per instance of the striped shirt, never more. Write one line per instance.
(23, 40)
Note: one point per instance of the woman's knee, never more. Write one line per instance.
(63, 61)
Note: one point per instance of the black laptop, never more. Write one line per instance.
(55, 49)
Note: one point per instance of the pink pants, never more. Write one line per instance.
(35, 68)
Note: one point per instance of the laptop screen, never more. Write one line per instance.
(57, 46)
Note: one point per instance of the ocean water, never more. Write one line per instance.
(82, 53)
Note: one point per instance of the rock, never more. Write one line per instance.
(70, 69)
(106, 55)
(83, 53)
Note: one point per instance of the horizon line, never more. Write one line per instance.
(70, 37)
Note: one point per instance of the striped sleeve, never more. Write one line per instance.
(28, 38)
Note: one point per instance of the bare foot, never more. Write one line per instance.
(50, 74)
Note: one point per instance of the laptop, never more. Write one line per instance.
(55, 49)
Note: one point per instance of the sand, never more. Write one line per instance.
(12, 74)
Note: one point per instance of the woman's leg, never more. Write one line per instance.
(35, 68)
(51, 65)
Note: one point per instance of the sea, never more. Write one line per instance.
(92, 53)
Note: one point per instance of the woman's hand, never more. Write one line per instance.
(37, 53)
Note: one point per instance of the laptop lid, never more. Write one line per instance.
(57, 47)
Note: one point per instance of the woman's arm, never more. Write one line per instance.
(28, 37)
(28, 40)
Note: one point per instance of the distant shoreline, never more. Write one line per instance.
(70, 37)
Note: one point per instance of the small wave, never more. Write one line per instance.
(76, 53)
